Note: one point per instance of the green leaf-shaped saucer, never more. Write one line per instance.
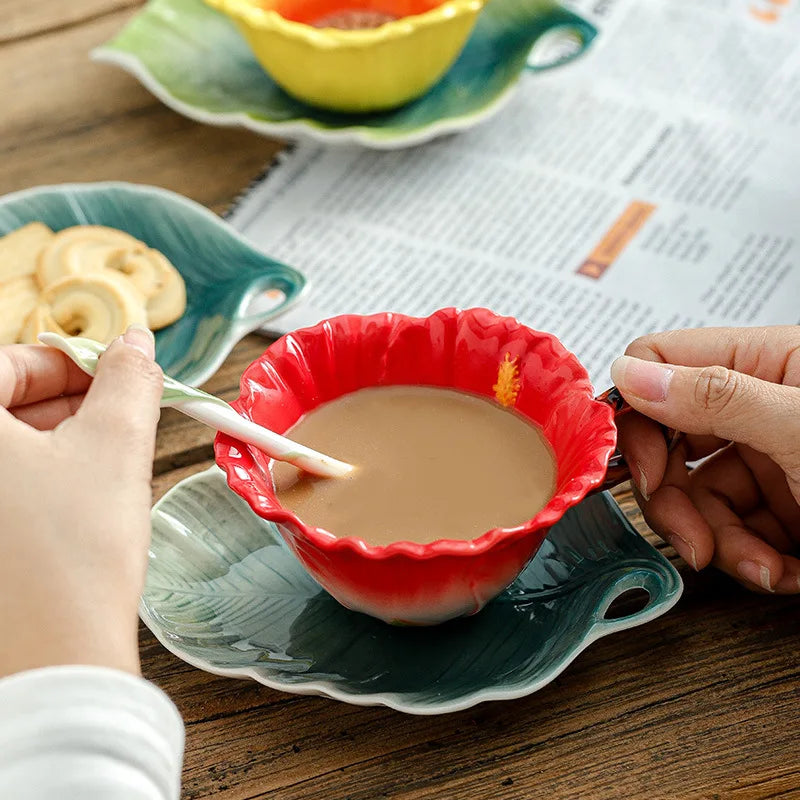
(194, 60)
(225, 594)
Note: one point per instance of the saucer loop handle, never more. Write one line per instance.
(659, 581)
(269, 296)
(566, 33)
(618, 471)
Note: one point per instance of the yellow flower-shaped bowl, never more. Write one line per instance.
(354, 70)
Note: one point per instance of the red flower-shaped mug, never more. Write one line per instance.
(406, 582)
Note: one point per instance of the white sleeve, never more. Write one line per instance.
(86, 733)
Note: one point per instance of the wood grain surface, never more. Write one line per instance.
(702, 703)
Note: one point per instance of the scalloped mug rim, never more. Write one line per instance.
(562, 499)
(257, 17)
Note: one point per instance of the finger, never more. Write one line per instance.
(790, 582)
(30, 373)
(748, 558)
(774, 488)
(698, 447)
(48, 414)
(738, 551)
(644, 446)
(766, 525)
(673, 516)
(730, 479)
(122, 404)
(641, 441)
(715, 401)
(769, 353)
(755, 488)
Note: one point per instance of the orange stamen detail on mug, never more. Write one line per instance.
(507, 387)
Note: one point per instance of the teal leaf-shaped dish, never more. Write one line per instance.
(225, 594)
(231, 288)
(194, 60)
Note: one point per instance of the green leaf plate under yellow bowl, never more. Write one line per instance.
(195, 61)
(226, 594)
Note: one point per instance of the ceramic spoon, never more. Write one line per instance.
(210, 411)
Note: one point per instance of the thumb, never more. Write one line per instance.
(121, 407)
(715, 401)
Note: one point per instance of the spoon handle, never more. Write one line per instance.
(222, 417)
(211, 411)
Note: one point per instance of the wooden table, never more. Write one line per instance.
(703, 702)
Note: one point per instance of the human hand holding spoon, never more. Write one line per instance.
(211, 411)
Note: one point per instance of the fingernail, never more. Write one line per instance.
(642, 483)
(646, 380)
(685, 549)
(757, 574)
(141, 338)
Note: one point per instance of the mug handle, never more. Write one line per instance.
(559, 19)
(618, 471)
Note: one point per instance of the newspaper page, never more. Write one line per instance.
(653, 183)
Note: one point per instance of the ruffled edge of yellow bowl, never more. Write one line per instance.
(248, 13)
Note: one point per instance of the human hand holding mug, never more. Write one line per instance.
(734, 392)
